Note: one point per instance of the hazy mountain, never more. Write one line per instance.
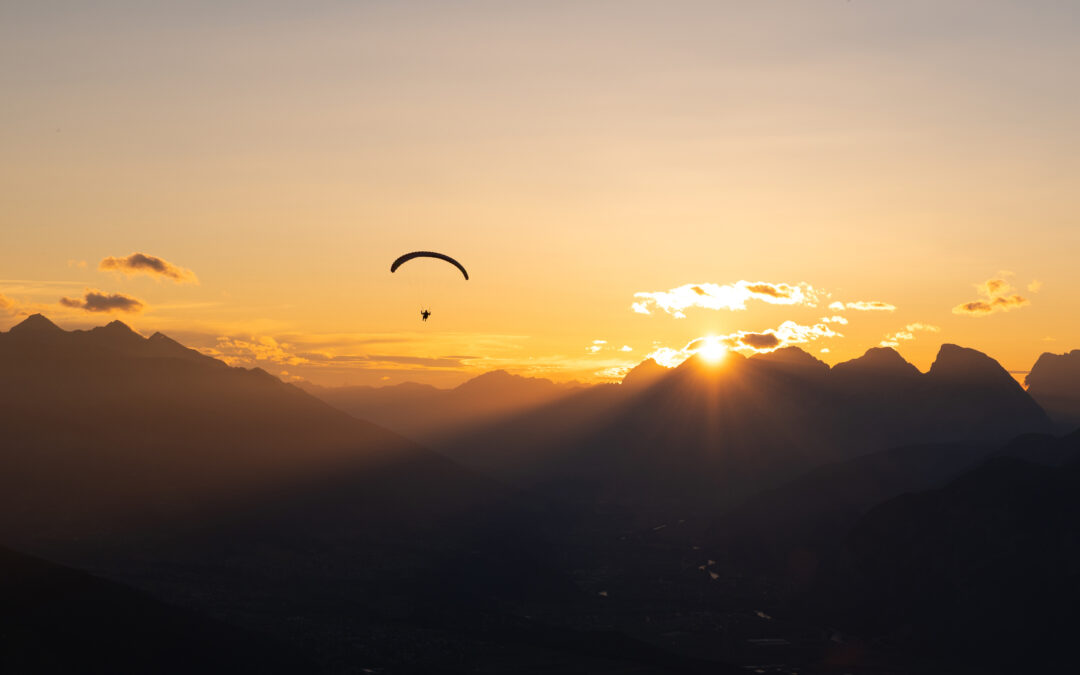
(981, 572)
(143, 460)
(789, 528)
(105, 430)
(54, 619)
(718, 432)
(226, 490)
(425, 413)
(1054, 381)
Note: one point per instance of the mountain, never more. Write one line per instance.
(980, 573)
(1054, 381)
(228, 492)
(156, 466)
(790, 528)
(716, 433)
(107, 430)
(54, 619)
(425, 413)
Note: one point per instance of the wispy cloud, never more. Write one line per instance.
(908, 333)
(101, 302)
(141, 263)
(997, 296)
(732, 297)
(863, 306)
(262, 350)
(8, 306)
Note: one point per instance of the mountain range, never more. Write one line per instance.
(670, 523)
(713, 433)
(425, 413)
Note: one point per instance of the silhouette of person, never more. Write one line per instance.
(424, 314)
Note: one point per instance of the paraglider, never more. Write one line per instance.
(428, 254)
(425, 313)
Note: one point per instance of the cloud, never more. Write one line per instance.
(834, 319)
(863, 306)
(786, 334)
(760, 341)
(997, 295)
(99, 301)
(8, 306)
(908, 333)
(268, 350)
(1035, 286)
(614, 373)
(140, 263)
(732, 297)
(626, 348)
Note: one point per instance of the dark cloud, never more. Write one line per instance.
(760, 340)
(140, 263)
(98, 301)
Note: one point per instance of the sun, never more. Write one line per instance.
(712, 351)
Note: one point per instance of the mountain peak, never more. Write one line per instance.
(36, 324)
(498, 380)
(1054, 382)
(956, 362)
(879, 361)
(792, 356)
(645, 373)
(116, 326)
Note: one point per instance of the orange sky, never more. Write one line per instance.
(572, 155)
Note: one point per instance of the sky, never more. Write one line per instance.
(621, 179)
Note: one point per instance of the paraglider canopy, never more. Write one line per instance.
(428, 254)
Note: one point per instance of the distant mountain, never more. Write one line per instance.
(981, 573)
(54, 619)
(106, 430)
(225, 488)
(1054, 381)
(720, 432)
(425, 413)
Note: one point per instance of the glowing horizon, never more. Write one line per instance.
(619, 179)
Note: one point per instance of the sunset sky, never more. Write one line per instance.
(620, 178)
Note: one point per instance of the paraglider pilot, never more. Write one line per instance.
(424, 314)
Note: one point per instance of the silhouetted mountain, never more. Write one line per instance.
(719, 432)
(425, 413)
(36, 326)
(794, 358)
(226, 490)
(788, 529)
(644, 374)
(981, 573)
(105, 428)
(54, 619)
(1045, 448)
(1054, 381)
